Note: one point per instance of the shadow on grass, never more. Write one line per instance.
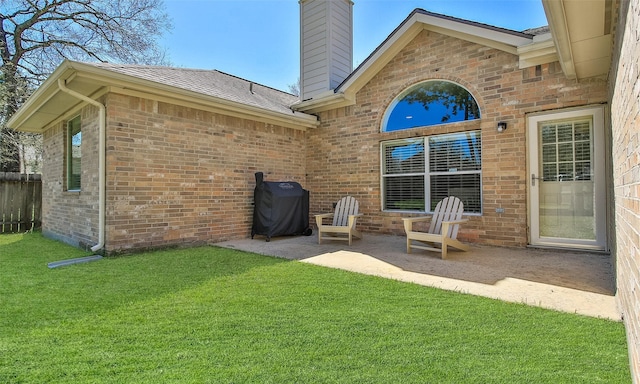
(218, 315)
(33, 294)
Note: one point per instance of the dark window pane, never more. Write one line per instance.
(404, 193)
(454, 153)
(565, 171)
(565, 152)
(548, 134)
(464, 187)
(583, 131)
(74, 154)
(583, 170)
(550, 171)
(404, 157)
(565, 132)
(549, 153)
(452, 167)
(583, 150)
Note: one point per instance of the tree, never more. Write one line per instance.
(37, 35)
(449, 95)
(294, 89)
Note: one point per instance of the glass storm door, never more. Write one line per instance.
(567, 179)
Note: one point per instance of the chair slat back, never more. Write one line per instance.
(345, 207)
(448, 209)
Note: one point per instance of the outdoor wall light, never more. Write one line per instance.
(502, 126)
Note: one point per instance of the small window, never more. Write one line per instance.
(566, 151)
(74, 154)
(419, 172)
(430, 103)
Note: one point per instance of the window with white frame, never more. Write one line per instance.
(74, 154)
(428, 103)
(419, 172)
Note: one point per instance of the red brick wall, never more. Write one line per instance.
(178, 175)
(625, 121)
(344, 152)
(71, 216)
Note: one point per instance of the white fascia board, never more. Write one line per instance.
(137, 84)
(74, 70)
(555, 12)
(406, 32)
(45, 92)
(417, 22)
(541, 51)
(473, 31)
(297, 120)
(325, 101)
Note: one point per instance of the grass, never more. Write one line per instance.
(213, 315)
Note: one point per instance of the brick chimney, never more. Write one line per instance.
(326, 45)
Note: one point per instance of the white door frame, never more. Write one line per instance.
(597, 114)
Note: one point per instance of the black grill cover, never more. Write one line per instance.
(280, 208)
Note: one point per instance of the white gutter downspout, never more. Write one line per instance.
(102, 122)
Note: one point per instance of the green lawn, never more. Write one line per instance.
(221, 316)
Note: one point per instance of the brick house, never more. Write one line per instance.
(536, 131)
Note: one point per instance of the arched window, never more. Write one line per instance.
(430, 103)
(417, 172)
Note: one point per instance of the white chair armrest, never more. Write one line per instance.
(456, 221)
(408, 222)
(416, 219)
(352, 219)
(322, 216)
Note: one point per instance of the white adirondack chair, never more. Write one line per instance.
(343, 226)
(443, 228)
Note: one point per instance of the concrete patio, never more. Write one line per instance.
(574, 282)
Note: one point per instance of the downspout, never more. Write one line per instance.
(102, 122)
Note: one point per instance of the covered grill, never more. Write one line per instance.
(280, 208)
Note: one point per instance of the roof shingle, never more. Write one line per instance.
(210, 83)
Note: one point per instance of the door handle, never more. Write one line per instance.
(534, 178)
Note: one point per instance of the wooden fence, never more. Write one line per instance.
(20, 202)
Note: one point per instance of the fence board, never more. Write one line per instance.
(20, 202)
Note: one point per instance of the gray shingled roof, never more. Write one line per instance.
(210, 83)
(537, 31)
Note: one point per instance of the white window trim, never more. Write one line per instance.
(68, 155)
(427, 175)
(409, 89)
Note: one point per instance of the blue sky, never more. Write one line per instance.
(259, 39)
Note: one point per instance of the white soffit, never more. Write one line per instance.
(541, 51)
(48, 103)
(582, 31)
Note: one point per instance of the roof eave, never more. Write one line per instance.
(541, 51)
(418, 21)
(583, 34)
(554, 10)
(421, 20)
(103, 78)
(47, 91)
(323, 102)
(129, 84)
